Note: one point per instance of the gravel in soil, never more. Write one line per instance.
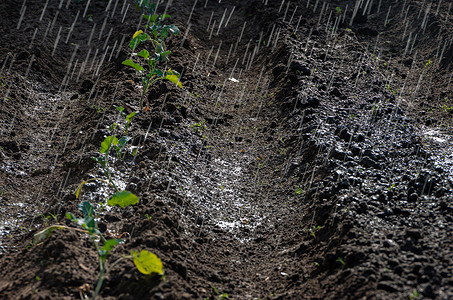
(307, 156)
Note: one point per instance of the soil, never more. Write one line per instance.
(309, 154)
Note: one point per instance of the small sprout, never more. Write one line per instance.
(338, 9)
(415, 294)
(341, 261)
(299, 191)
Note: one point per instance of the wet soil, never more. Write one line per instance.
(308, 155)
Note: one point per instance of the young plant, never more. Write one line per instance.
(313, 230)
(147, 262)
(119, 145)
(149, 60)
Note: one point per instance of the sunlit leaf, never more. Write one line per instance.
(148, 262)
(130, 116)
(137, 33)
(123, 199)
(120, 109)
(144, 53)
(173, 77)
(130, 63)
(105, 145)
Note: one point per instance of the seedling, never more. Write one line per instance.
(313, 230)
(119, 145)
(221, 296)
(341, 261)
(299, 190)
(199, 127)
(148, 63)
(147, 262)
(415, 294)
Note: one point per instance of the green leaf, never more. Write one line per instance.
(156, 72)
(123, 141)
(173, 29)
(105, 145)
(173, 77)
(88, 223)
(123, 199)
(100, 160)
(151, 18)
(70, 216)
(144, 53)
(130, 63)
(86, 208)
(148, 262)
(109, 244)
(121, 109)
(137, 39)
(130, 116)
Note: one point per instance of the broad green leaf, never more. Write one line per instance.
(123, 199)
(163, 17)
(130, 63)
(44, 234)
(86, 208)
(148, 262)
(109, 244)
(105, 145)
(144, 53)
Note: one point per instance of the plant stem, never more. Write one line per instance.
(101, 269)
(107, 172)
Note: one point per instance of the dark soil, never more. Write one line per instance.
(307, 156)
